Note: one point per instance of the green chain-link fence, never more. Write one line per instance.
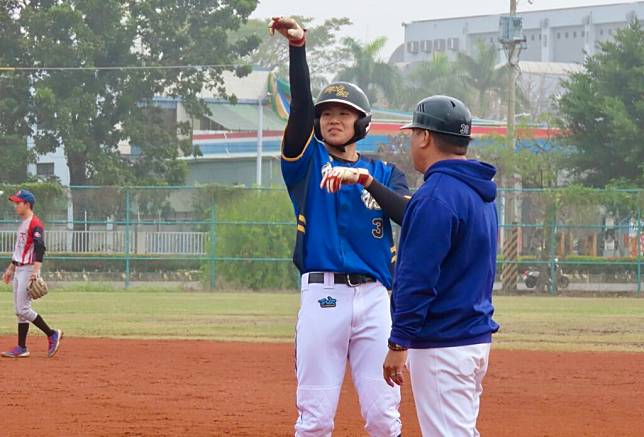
(568, 241)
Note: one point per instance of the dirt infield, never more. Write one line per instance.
(101, 387)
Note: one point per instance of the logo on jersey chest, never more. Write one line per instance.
(369, 201)
(326, 168)
(327, 302)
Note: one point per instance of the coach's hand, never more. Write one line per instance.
(393, 367)
(338, 176)
(289, 28)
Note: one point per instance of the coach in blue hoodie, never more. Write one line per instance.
(442, 294)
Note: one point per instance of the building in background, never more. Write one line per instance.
(555, 35)
(557, 42)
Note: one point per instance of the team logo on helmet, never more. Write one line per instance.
(465, 129)
(338, 90)
(369, 201)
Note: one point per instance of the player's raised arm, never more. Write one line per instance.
(300, 121)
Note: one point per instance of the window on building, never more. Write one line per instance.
(601, 31)
(574, 34)
(566, 35)
(532, 38)
(583, 33)
(558, 35)
(45, 169)
(610, 31)
(539, 37)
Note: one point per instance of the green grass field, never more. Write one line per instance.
(547, 323)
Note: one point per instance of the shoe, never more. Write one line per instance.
(54, 342)
(16, 352)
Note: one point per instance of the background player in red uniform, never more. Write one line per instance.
(26, 262)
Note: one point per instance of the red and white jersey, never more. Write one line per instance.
(29, 231)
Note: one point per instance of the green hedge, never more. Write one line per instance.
(96, 263)
(584, 264)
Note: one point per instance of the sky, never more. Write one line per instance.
(374, 18)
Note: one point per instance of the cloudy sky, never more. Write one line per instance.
(374, 18)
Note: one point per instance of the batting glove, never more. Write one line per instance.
(336, 177)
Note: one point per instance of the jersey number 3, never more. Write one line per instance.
(377, 231)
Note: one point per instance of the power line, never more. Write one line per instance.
(126, 67)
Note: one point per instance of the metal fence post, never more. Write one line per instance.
(213, 248)
(127, 238)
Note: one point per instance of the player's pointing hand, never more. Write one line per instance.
(288, 28)
(338, 176)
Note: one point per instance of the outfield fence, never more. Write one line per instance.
(584, 241)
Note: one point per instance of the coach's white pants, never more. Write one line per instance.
(447, 386)
(21, 299)
(355, 329)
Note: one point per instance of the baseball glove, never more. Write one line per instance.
(37, 287)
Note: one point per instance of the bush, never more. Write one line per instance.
(255, 224)
(51, 200)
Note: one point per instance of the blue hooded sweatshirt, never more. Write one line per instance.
(442, 293)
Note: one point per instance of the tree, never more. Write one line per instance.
(377, 78)
(602, 109)
(438, 76)
(479, 73)
(14, 90)
(16, 157)
(324, 55)
(91, 111)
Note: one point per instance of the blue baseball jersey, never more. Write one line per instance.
(343, 232)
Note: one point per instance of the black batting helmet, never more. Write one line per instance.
(442, 114)
(350, 95)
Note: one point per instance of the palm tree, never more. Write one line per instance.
(480, 73)
(438, 76)
(376, 77)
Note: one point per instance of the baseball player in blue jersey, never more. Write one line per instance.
(442, 296)
(344, 249)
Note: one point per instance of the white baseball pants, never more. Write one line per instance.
(21, 299)
(336, 324)
(447, 386)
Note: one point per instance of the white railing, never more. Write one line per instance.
(85, 241)
(108, 242)
(191, 243)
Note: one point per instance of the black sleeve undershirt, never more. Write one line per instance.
(300, 127)
(300, 120)
(392, 203)
(39, 245)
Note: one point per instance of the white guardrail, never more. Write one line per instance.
(97, 241)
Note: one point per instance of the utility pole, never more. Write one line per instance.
(513, 41)
(512, 76)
